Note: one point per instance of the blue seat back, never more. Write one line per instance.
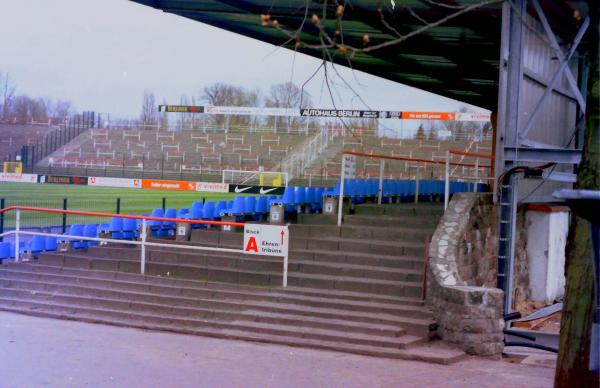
(51, 243)
(90, 230)
(4, 250)
(262, 205)
(36, 244)
(238, 206)
(76, 230)
(115, 224)
(208, 210)
(300, 195)
(129, 224)
(197, 209)
(288, 195)
(311, 193)
(250, 204)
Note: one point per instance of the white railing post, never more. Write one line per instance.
(447, 181)
(417, 184)
(143, 236)
(380, 189)
(17, 229)
(341, 197)
(285, 270)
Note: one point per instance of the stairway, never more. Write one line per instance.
(354, 289)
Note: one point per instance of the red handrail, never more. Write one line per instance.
(402, 158)
(102, 214)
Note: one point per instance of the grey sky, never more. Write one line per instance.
(101, 55)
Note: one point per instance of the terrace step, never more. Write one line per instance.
(422, 209)
(358, 258)
(392, 221)
(290, 295)
(429, 352)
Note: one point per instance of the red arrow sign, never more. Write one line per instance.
(282, 234)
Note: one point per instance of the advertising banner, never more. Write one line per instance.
(115, 182)
(345, 113)
(64, 180)
(19, 178)
(428, 115)
(212, 187)
(262, 190)
(473, 117)
(250, 111)
(181, 108)
(168, 185)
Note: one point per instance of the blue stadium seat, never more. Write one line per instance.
(196, 210)
(36, 245)
(129, 228)
(262, 205)
(115, 227)
(250, 205)
(12, 248)
(168, 227)
(75, 230)
(210, 211)
(4, 251)
(182, 213)
(332, 191)
(156, 225)
(90, 230)
(288, 197)
(51, 244)
(299, 195)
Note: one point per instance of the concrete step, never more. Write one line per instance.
(188, 307)
(423, 222)
(431, 209)
(124, 290)
(303, 297)
(364, 285)
(234, 275)
(366, 232)
(358, 258)
(340, 244)
(354, 270)
(107, 308)
(435, 352)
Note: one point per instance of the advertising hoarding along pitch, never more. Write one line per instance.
(212, 187)
(168, 185)
(262, 190)
(115, 182)
(20, 178)
(64, 180)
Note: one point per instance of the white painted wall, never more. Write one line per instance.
(546, 241)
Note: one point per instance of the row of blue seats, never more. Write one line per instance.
(400, 187)
(36, 245)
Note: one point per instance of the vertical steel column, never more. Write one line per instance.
(447, 181)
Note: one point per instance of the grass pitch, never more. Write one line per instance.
(92, 198)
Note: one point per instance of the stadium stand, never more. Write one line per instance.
(206, 153)
(14, 136)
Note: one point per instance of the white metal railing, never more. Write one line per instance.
(143, 243)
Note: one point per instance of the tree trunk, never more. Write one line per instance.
(572, 368)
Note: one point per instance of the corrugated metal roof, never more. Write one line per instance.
(458, 59)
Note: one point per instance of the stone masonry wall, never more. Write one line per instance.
(462, 274)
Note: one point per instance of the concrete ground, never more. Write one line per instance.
(38, 352)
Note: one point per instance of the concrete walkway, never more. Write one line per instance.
(38, 352)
